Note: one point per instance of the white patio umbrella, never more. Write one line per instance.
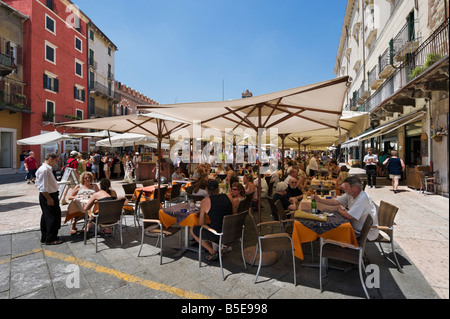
(101, 134)
(150, 124)
(350, 122)
(306, 108)
(127, 139)
(46, 138)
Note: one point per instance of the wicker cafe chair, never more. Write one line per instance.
(135, 212)
(109, 215)
(284, 216)
(129, 190)
(152, 226)
(232, 231)
(162, 198)
(386, 216)
(175, 193)
(195, 198)
(244, 205)
(348, 253)
(271, 242)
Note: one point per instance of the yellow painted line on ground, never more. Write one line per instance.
(112, 272)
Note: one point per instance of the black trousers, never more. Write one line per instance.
(371, 171)
(50, 219)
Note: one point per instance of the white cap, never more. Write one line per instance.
(73, 153)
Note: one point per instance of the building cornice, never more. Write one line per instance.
(345, 25)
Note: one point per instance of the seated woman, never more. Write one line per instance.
(85, 189)
(200, 188)
(249, 185)
(334, 169)
(217, 206)
(341, 178)
(282, 195)
(236, 195)
(105, 193)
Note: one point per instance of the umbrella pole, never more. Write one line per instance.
(283, 137)
(160, 157)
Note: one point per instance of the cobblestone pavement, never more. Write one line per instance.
(31, 270)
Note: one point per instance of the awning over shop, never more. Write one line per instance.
(384, 129)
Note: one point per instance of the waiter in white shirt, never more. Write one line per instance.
(371, 161)
(49, 201)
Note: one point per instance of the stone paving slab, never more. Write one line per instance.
(31, 270)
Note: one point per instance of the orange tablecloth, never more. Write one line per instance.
(302, 234)
(150, 190)
(190, 221)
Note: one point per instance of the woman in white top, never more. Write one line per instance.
(85, 189)
(200, 188)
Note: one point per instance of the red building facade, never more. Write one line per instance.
(55, 66)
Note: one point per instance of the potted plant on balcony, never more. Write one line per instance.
(437, 134)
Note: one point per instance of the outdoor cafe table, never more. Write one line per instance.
(336, 227)
(149, 190)
(174, 215)
(76, 208)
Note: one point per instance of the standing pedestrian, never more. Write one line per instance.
(129, 170)
(49, 201)
(396, 168)
(23, 156)
(31, 168)
(371, 161)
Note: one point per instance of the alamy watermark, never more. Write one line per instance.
(234, 145)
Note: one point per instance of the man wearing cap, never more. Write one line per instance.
(216, 206)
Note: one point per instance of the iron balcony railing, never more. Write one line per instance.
(430, 51)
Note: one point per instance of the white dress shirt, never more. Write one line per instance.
(45, 180)
(359, 208)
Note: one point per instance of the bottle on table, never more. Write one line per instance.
(313, 206)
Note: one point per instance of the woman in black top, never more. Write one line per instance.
(216, 206)
(396, 168)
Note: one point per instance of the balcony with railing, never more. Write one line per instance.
(363, 92)
(14, 102)
(405, 41)
(49, 117)
(370, 29)
(101, 90)
(386, 62)
(432, 51)
(374, 78)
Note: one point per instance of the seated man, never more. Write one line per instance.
(216, 206)
(177, 175)
(358, 204)
(293, 190)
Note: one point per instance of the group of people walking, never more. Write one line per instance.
(393, 165)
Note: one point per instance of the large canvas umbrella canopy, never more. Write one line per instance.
(101, 134)
(306, 108)
(127, 139)
(156, 125)
(350, 122)
(46, 138)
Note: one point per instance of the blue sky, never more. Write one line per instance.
(177, 51)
